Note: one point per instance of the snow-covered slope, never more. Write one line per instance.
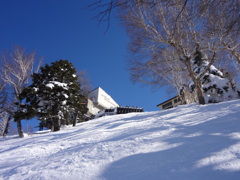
(189, 142)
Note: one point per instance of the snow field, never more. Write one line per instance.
(189, 142)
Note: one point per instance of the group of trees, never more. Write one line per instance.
(15, 71)
(180, 43)
(191, 45)
(54, 96)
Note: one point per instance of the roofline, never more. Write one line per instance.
(167, 100)
(99, 88)
(94, 89)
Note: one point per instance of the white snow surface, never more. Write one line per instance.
(190, 142)
(52, 84)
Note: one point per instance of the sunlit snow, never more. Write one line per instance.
(190, 142)
(51, 84)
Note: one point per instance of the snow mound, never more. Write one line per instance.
(190, 142)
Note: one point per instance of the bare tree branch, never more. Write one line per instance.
(182, 28)
(16, 70)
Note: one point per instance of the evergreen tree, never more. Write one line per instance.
(54, 91)
(216, 87)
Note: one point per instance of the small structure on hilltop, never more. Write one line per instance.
(173, 102)
(119, 110)
(99, 100)
(100, 103)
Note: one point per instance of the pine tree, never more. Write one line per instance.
(216, 87)
(53, 93)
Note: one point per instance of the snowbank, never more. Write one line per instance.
(189, 142)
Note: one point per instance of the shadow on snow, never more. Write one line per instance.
(198, 142)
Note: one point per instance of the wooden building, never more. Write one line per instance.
(173, 102)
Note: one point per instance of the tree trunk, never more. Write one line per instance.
(55, 119)
(56, 126)
(52, 126)
(197, 82)
(75, 119)
(200, 95)
(19, 127)
(74, 122)
(5, 132)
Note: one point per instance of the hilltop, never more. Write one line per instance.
(190, 142)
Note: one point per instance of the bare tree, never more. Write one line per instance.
(5, 120)
(182, 28)
(84, 81)
(3, 96)
(106, 8)
(17, 68)
(158, 72)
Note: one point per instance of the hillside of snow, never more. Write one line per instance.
(190, 142)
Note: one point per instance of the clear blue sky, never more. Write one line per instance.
(63, 29)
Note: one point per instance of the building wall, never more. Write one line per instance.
(92, 108)
(170, 103)
(105, 100)
(99, 100)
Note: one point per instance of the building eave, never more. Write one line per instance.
(167, 100)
